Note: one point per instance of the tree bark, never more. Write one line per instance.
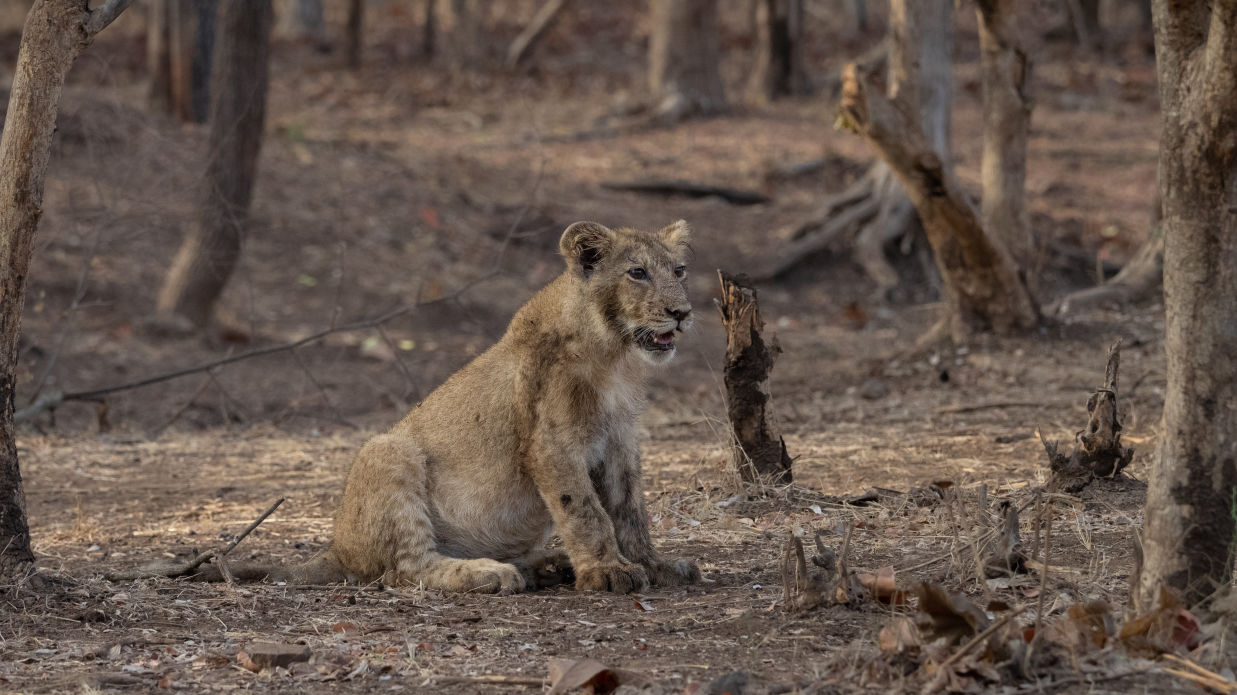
(55, 33)
(684, 54)
(466, 42)
(1190, 530)
(1006, 75)
(778, 70)
(208, 254)
(981, 283)
(760, 453)
(542, 20)
(302, 20)
(180, 42)
(354, 34)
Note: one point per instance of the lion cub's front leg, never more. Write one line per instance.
(619, 485)
(587, 531)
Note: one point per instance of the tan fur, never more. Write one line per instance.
(537, 435)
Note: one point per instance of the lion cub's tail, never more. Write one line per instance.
(320, 569)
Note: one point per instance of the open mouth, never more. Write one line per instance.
(657, 341)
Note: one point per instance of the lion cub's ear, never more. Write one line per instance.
(676, 234)
(584, 245)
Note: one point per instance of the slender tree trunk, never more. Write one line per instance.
(684, 54)
(465, 37)
(354, 33)
(429, 30)
(180, 42)
(981, 282)
(778, 70)
(542, 20)
(55, 33)
(1006, 75)
(1191, 516)
(209, 252)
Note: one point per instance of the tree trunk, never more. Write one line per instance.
(55, 33)
(466, 42)
(779, 70)
(1006, 76)
(180, 40)
(429, 30)
(354, 34)
(981, 283)
(684, 55)
(760, 453)
(208, 254)
(1190, 531)
(302, 20)
(542, 20)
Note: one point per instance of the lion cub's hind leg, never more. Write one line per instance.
(384, 526)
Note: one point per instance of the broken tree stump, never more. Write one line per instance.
(1098, 452)
(760, 453)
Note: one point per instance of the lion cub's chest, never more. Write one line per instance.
(620, 401)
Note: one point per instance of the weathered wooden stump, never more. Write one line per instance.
(1098, 452)
(760, 453)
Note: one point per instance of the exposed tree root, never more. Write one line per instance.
(1139, 279)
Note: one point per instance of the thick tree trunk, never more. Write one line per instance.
(684, 55)
(778, 70)
(56, 31)
(1006, 76)
(1190, 532)
(180, 41)
(209, 252)
(981, 283)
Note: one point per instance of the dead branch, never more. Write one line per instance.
(760, 454)
(524, 43)
(1098, 452)
(734, 196)
(981, 282)
(1006, 556)
(192, 566)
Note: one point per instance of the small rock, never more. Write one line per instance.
(260, 656)
(873, 389)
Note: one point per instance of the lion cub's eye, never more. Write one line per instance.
(638, 273)
(680, 271)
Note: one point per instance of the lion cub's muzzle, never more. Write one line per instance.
(660, 338)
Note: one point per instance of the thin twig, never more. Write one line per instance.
(988, 632)
(495, 679)
(66, 318)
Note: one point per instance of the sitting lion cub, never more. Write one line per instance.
(535, 436)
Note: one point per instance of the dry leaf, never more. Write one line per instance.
(883, 586)
(343, 627)
(952, 616)
(642, 605)
(900, 637)
(568, 674)
(1167, 628)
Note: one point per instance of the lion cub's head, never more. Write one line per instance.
(634, 282)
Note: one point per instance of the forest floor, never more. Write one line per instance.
(409, 184)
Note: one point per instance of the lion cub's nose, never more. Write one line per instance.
(680, 312)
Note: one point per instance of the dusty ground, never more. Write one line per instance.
(409, 183)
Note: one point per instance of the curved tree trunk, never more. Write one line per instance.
(981, 282)
(55, 33)
(1006, 76)
(684, 55)
(180, 38)
(209, 253)
(1190, 531)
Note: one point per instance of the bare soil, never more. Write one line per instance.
(407, 182)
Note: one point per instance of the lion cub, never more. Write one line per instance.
(535, 436)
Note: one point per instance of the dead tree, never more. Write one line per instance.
(180, 37)
(778, 70)
(209, 252)
(760, 452)
(55, 33)
(875, 210)
(1006, 75)
(1190, 535)
(527, 39)
(684, 54)
(981, 284)
(1098, 452)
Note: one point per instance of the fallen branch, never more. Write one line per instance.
(192, 566)
(734, 196)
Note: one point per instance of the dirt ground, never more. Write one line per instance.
(406, 183)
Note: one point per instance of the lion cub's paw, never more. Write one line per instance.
(674, 571)
(619, 578)
(492, 577)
